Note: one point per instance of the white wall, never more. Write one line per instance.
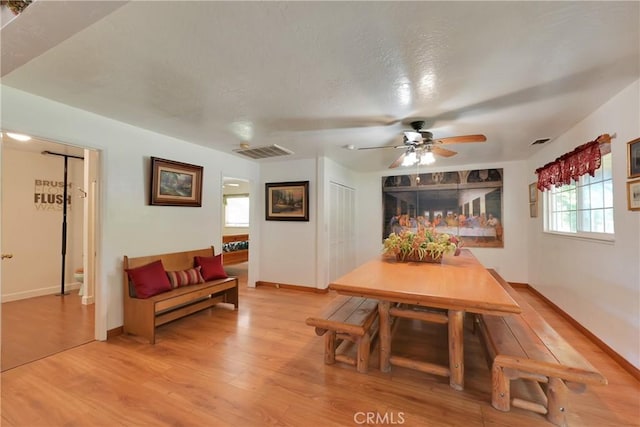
(32, 231)
(129, 226)
(288, 248)
(509, 261)
(597, 283)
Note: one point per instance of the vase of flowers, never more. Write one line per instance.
(425, 245)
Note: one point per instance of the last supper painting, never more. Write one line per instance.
(467, 204)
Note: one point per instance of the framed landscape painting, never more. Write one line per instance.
(287, 201)
(175, 183)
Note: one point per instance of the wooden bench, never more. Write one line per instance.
(524, 346)
(347, 320)
(235, 256)
(142, 316)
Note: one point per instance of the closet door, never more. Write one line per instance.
(341, 230)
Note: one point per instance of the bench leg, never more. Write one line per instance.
(330, 347)
(557, 397)
(501, 389)
(364, 349)
(231, 296)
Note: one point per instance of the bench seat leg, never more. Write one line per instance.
(557, 397)
(364, 348)
(501, 389)
(330, 347)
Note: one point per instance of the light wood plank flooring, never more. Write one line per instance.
(34, 328)
(263, 366)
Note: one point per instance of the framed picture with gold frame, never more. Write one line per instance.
(633, 195)
(533, 210)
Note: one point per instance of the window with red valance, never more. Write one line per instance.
(571, 166)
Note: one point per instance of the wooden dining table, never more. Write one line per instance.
(440, 293)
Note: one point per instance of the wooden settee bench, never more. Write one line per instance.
(235, 249)
(524, 346)
(347, 320)
(142, 316)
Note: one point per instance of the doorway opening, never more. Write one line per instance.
(235, 226)
(49, 261)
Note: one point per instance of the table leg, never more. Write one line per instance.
(385, 336)
(456, 349)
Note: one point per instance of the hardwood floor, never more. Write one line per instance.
(262, 366)
(34, 328)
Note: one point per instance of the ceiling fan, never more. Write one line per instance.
(420, 147)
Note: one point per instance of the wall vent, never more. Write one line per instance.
(540, 141)
(264, 152)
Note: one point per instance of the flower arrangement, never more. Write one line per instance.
(424, 245)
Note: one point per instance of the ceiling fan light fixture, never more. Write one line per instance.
(410, 159)
(427, 158)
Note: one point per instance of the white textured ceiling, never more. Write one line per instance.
(315, 77)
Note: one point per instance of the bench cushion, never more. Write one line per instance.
(190, 276)
(149, 280)
(212, 268)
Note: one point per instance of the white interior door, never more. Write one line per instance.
(342, 255)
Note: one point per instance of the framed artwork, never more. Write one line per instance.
(533, 210)
(633, 158)
(175, 183)
(465, 203)
(287, 201)
(633, 195)
(533, 192)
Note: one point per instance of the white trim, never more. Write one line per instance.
(15, 296)
(590, 237)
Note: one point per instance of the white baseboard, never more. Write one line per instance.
(87, 300)
(15, 296)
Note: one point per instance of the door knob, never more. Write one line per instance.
(7, 256)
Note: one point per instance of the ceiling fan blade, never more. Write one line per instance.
(384, 146)
(443, 152)
(398, 162)
(460, 139)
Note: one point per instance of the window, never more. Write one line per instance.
(584, 208)
(236, 210)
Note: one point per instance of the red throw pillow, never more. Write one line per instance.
(212, 268)
(149, 280)
(187, 277)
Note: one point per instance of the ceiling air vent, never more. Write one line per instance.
(264, 152)
(540, 141)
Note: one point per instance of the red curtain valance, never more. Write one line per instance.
(571, 166)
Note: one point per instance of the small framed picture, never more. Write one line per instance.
(287, 201)
(633, 158)
(533, 192)
(533, 210)
(633, 195)
(175, 183)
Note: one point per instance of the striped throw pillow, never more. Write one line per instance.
(191, 276)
